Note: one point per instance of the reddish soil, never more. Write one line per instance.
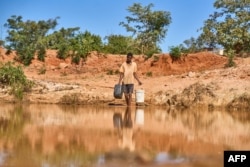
(96, 64)
(159, 73)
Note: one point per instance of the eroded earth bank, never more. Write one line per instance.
(196, 79)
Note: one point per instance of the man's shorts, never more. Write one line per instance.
(128, 88)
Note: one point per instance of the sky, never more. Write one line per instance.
(102, 17)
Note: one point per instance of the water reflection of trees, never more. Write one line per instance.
(197, 120)
(28, 144)
(11, 125)
(242, 116)
(215, 126)
(25, 155)
(200, 118)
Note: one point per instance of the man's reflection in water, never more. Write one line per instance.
(127, 129)
(126, 140)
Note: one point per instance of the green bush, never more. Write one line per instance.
(41, 53)
(150, 52)
(149, 74)
(110, 72)
(230, 53)
(76, 59)
(175, 52)
(14, 77)
(118, 44)
(42, 70)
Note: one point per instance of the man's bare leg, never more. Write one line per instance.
(127, 99)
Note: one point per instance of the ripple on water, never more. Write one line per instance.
(164, 158)
(159, 159)
(3, 156)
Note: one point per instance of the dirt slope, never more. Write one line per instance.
(164, 81)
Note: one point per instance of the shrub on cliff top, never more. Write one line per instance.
(14, 77)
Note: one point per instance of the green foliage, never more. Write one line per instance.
(230, 54)
(30, 38)
(63, 50)
(147, 26)
(25, 37)
(41, 53)
(149, 53)
(42, 70)
(61, 41)
(63, 74)
(117, 72)
(149, 74)
(228, 26)
(76, 59)
(191, 45)
(83, 44)
(175, 52)
(156, 58)
(118, 44)
(1, 42)
(111, 72)
(25, 55)
(14, 77)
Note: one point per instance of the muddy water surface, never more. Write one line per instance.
(111, 136)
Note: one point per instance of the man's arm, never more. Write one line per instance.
(136, 77)
(121, 77)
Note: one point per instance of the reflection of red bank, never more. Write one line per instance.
(139, 117)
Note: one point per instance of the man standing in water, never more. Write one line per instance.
(128, 73)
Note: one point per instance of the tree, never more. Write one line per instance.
(61, 41)
(55, 39)
(1, 42)
(118, 44)
(229, 26)
(26, 37)
(148, 27)
(191, 45)
(83, 44)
